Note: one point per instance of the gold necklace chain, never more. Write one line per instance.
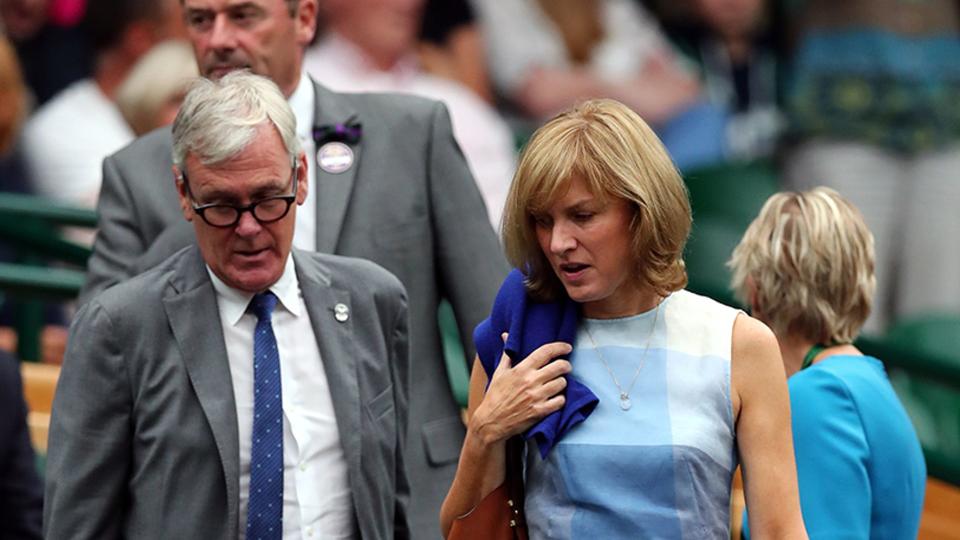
(625, 395)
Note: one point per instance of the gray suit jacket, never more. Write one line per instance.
(409, 203)
(143, 437)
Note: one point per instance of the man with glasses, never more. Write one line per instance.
(388, 183)
(242, 388)
(266, 210)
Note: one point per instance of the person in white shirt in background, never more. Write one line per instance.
(66, 140)
(371, 46)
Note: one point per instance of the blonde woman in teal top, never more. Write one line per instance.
(806, 268)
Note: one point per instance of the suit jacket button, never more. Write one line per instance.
(341, 312)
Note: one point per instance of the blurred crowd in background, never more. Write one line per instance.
(859, 95)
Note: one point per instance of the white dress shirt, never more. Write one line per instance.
(302, 102)
(317, 500)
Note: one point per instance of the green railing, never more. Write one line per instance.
(31, 227)
(18, 205)
(925, 367)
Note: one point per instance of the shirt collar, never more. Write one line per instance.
(302, 102)
(233, 302)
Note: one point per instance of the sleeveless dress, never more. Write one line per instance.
(662, 468)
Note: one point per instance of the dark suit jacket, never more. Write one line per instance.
(21, 494)
(143, 436)
(409, 203)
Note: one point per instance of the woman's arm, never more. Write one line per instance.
(762, 410)
(516, 399)
(659, 91)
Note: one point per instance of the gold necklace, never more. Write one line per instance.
(625, 395)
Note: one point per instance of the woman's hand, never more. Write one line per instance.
(520, 396)
(516, 398)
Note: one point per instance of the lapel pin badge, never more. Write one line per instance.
(341, 312)
(334, 154)
(335, 157)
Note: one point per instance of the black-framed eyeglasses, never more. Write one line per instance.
(264, 211)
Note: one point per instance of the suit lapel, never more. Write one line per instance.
(335, 341)
(192, 311)
(332, 191)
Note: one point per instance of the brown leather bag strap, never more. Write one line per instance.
(514, 478)
(499, 516)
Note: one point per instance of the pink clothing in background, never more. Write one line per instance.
(485, 138)
(66, 12)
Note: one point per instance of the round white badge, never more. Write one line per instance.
(335, 157)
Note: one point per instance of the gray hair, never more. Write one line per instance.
(219, 119)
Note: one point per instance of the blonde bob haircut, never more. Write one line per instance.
(616, 154)
(810, 258)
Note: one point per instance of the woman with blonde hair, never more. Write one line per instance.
(635, 397)
(805, 266)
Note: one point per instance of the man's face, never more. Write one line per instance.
(259, 35)
(250, 255)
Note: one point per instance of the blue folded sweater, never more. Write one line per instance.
(531, 324)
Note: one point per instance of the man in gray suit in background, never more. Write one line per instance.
(237, 387)
(388, 183)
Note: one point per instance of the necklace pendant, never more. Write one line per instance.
(624, 401)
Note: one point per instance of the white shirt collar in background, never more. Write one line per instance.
(303, 102)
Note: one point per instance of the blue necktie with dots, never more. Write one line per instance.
(265, 504)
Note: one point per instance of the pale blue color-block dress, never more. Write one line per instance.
(662, 468)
